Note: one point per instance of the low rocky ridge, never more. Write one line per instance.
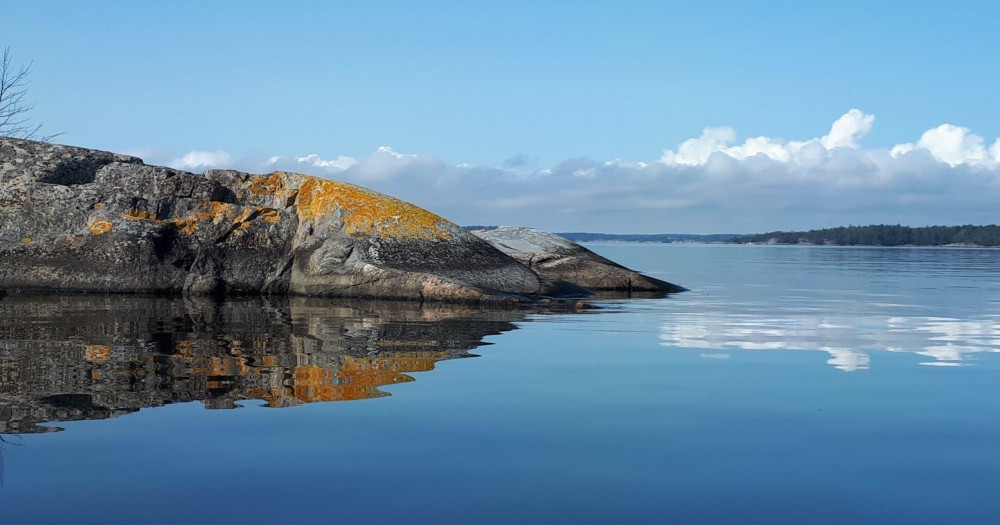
(79, 220)
(555, 257)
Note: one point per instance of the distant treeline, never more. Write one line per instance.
(628, 237)
(658, 237)
(884, 235)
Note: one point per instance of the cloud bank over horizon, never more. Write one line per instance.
(711, 183)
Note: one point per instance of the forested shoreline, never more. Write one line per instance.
(883, 235)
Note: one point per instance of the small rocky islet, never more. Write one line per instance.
(85, 221)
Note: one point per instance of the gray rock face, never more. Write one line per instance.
(555, 257)
(79, 220)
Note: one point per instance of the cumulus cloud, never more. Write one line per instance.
(848, 129)
(199, 160)
(335, 165)
(845, 132)
(954, 145)
(714, 182)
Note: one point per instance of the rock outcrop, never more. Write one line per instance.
(555, 257)
(80, 220)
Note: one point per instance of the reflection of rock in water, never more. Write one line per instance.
(73, 358)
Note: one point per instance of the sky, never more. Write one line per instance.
(617, 117)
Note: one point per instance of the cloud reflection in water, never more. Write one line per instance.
(848, 337)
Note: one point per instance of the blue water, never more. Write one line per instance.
(791, 385)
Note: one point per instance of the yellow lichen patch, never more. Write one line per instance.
(134, 214)
(186, 226)
(214, 211)
(98, 353)
(272, 184)
(98, 206)
(270, 215)
(100, 227)
(243, 217)
(26, 240)
(366, 211)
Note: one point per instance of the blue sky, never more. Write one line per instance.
(485, 104)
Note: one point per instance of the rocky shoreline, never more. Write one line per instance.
(74, 220)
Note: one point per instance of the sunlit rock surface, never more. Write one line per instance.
(80, 220)
(555, 257)
(68, 358)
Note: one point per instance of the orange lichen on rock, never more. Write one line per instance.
(367, 212)
(244, 217)
(100, 227)
(270, 215)
(214, 211)
(134, 214)
(26, 240)
(186, 226)
(271, 184)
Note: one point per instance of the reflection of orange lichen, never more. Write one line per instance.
(98, 353)
(276, 397)
(100, 227)
(391, 343)
(395, 362)
(365, 211)
(359, 378)
(268, 377)
(185, 347)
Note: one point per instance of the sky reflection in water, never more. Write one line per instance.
(848, 302)
(725, 404)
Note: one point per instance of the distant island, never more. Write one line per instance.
(883, 235)
(872, 235)
(630, 237)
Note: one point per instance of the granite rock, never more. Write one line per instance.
(79, 220)
(558, 258)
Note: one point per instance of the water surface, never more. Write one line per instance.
(791, 385)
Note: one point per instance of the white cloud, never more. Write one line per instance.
(200, 160)
(694, 152)
(340, 163)
(710, 183)
(844, 133)
(955, 145)
(848, 129)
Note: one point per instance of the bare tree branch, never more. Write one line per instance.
(14, 104)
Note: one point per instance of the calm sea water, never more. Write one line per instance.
(791, 385)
